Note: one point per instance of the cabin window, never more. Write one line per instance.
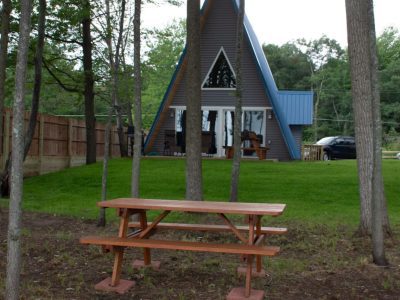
(221, 75)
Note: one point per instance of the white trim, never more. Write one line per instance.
(221, 121)
(212, 67)
(225, 107)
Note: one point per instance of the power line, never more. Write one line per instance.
(350, 121)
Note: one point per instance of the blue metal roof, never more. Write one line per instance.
(297, 107)
(290, 107)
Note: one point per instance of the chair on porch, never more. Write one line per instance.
(170, 145)
(206, 142)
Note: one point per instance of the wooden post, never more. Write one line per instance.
(119, 251)
(111, 142)
(69, 143)
(41, 143)
(146, 251)
(249, 258)
(258, 235)
(6, 136)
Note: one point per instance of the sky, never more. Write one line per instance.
(281, 21)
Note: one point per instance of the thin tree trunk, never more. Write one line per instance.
(379, 213)
(89, 84)
(316, 110)
(120, 125)
(137, 146)
(363, 67)
(38, 77)
(193, 107)
(114, 67)
(5, 28)
(237, 141)
(101, 222)
(14, 222)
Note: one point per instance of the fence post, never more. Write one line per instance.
(6, 136)
(69, 142)
(41, 143)
(111, 142)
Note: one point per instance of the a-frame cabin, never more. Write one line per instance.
(277, 117)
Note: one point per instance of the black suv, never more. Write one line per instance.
(338, 147)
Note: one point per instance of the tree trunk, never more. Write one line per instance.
(237, 141)
(363, 67)
(379, 212)
(101, 222)
(38, 77)
(120, 126)
(89, 84)
(193, 106)
(14, 222)
(114, 67)
(5, 28)
(137, 146)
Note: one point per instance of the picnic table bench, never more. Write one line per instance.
(250, 143)
(251, 236)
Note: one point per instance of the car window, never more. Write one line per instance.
(339, 142)
(325, 140)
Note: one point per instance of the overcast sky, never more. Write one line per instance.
(280, 21)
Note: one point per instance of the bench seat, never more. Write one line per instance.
(181, 245)
(260, 151)
(209, 227)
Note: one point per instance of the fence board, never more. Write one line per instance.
(62, 142)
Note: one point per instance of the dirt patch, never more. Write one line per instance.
(316, 263)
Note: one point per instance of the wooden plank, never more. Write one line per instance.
(181, 245)
(147, 227)
(233, 228)
(196, 206)
(116, 275)
(259, 240)
(210, 227)
(249, 257)
(146, 251)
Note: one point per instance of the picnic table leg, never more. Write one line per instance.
(247, 292)
(119, 255)
(115, 283)
(146, 251)
(146, 262)
(249, 258)
(258, 234)
(119, 252)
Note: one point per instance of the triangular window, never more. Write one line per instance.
(221, 75)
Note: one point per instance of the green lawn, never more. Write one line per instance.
(317, 192)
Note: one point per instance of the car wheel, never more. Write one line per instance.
(326, 156)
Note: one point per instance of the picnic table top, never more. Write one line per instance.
(196, 206)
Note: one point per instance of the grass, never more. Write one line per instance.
(316, 192)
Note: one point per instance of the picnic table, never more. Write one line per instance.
(251, 236)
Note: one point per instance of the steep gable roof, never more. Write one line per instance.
(284, 103)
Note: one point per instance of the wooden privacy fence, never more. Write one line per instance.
(311, 152)
(58, 143)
